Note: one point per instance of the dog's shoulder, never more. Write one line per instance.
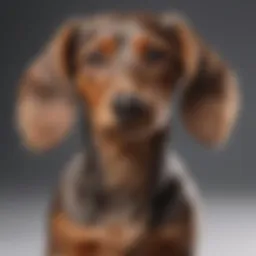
(176, 169)
(73, 168)
(190, 198)
(70, 174)
(69, 183)
(177, 194)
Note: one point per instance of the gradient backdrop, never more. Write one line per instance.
(227, 178)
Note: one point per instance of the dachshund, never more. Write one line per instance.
(125, 192)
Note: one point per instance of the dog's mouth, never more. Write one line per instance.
(134, 125)
(132, 131)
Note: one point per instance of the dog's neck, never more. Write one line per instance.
(128, 166)
(129, 169)
(119, 179)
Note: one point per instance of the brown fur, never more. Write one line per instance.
(97, 59)
(174, 239)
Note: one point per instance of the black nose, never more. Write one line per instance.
(129, 108)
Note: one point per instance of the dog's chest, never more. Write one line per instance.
(120, 225)
(112, 238)
(117, 231)
(115, 238)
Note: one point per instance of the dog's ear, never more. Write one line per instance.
(211, 100)
(45, 106)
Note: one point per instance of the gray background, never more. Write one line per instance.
(227, 178)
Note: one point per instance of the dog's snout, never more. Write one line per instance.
(129, 108)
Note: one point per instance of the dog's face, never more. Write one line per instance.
(126, 71)
(126, 68)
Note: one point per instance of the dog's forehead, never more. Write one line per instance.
(127, 25)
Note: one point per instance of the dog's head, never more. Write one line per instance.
(126, 69)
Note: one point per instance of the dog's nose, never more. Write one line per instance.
(129, 108)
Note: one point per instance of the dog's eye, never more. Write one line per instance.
(96, 58)
(153, 55)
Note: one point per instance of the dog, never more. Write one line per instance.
(126, 192)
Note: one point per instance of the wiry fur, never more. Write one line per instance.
(126, 193)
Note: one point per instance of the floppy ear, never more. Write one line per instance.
(45, 107)
(210, 100)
